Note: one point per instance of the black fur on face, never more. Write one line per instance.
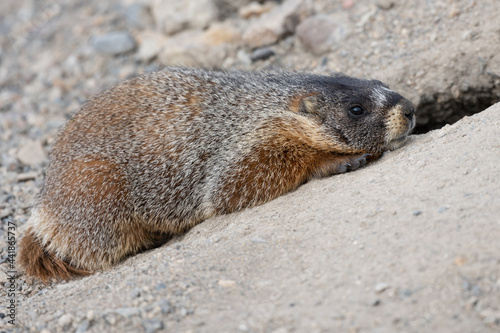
(355, 110)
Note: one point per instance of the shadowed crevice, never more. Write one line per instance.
(437, 110)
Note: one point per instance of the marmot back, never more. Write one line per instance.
(159, 153)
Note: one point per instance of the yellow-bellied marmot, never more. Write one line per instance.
(159, 153)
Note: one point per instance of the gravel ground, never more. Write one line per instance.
(409, 243)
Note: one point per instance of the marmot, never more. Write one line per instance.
(159, 153)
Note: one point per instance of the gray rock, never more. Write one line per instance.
(406, 293)
(272, 26)
(173, 16)
(8, 161)
(152, 325)
(136, 292)
(31, 153)
(321, 33)
(128, 312)
(83, 327)
(113, 43)
(385, 4)
(139, 16)
(160, 286)
(165, 306)
(262, 54)
(475, 290)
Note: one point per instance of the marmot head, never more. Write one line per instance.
(364, 115)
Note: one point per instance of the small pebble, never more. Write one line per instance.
(160, 286)
(385, 4)
(475, 291)
(272, 26)
(150, 45)
(31, 153)
(227, 283)
(242, 327)
(243, 57)
(257, 240)
(255, 9)
(135, 293)
(460, 261)
(65, 320)
(406, 293)
(417, 212)
(337, 316)
(90, 315)
(490, 316)
(381, 286)
(83, 327)
(22, 177)
(280, 330)
(5, 212)
(152, 325)
(113, 43)
(128, 312)
(111, 318)
(471, 303)
(262, 54)
(442, 209)
(166, 307)
(186, 312)
(466, 285)
(321, 33)
(139, 15)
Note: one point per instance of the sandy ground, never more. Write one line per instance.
(409, 243)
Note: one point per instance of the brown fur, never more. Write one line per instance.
(158, 154)
(42, 264)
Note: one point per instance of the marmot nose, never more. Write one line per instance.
(409, 109)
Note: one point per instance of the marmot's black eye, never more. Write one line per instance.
(356, 110)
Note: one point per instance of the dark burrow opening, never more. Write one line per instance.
(438, 110)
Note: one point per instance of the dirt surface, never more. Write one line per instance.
(408, 243)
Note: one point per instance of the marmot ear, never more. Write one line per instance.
(309, 105)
